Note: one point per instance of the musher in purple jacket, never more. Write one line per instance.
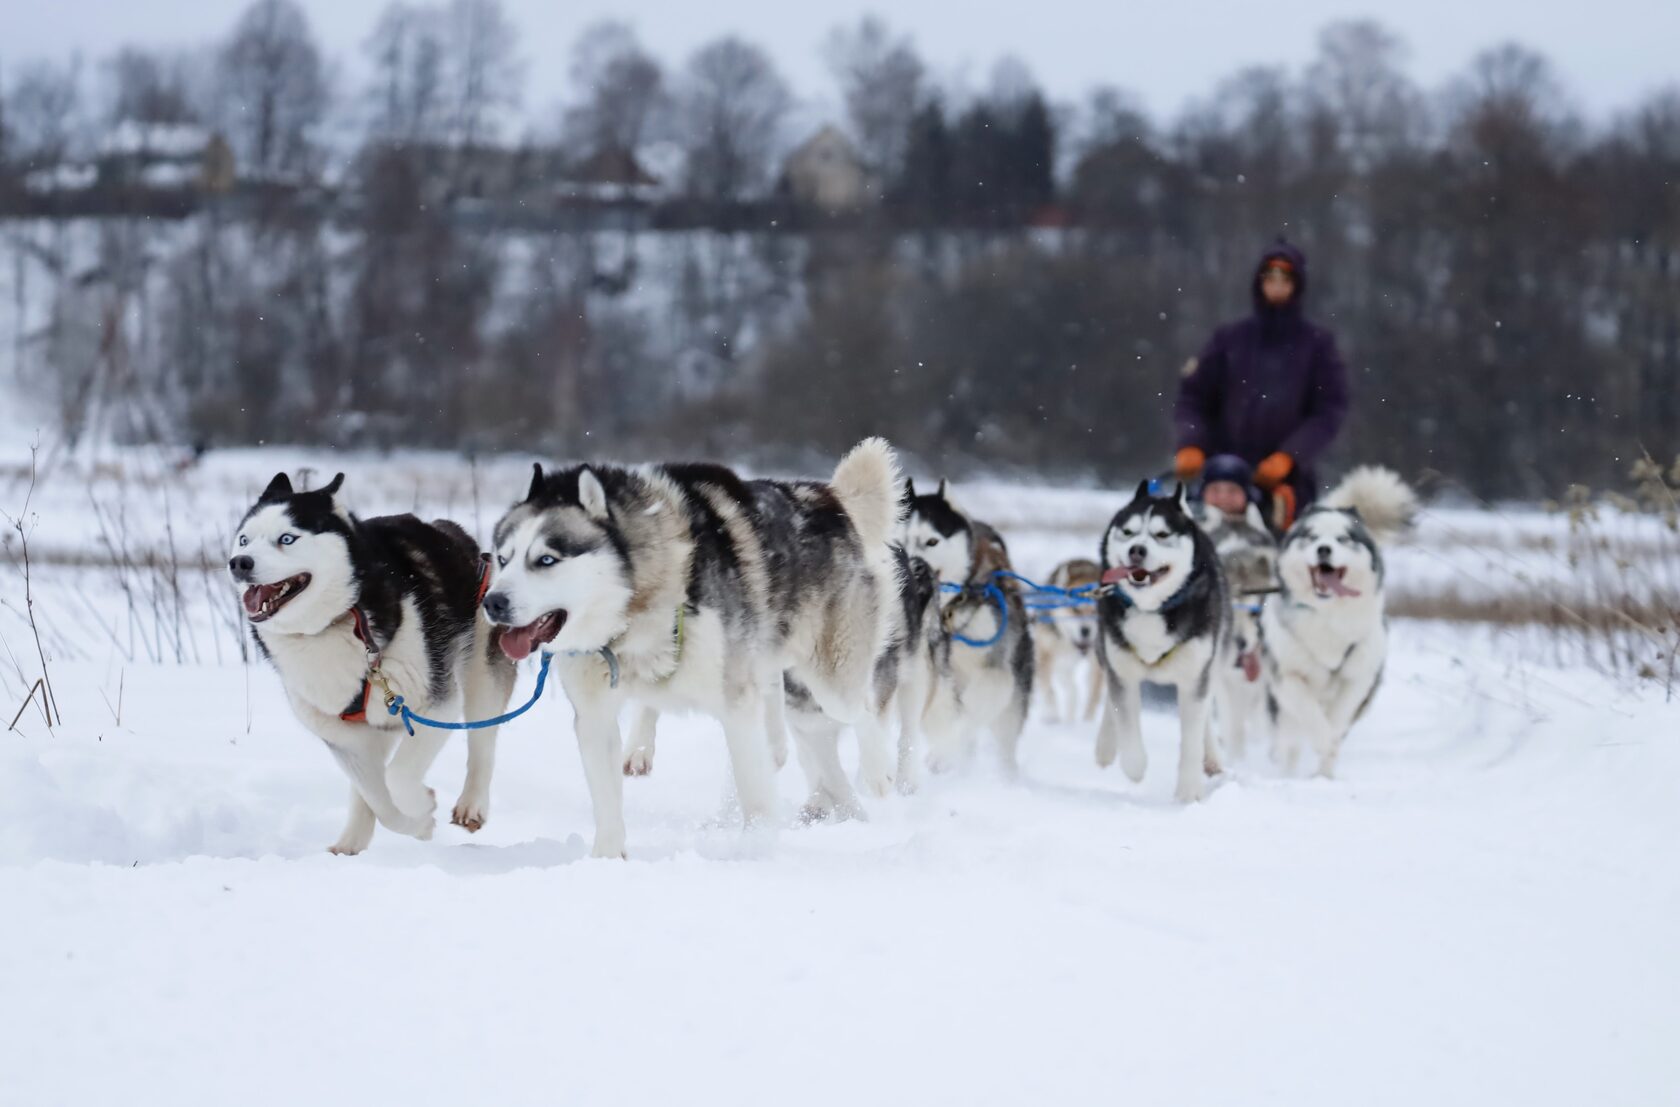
(1270, 389)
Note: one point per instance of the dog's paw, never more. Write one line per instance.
(346, 848)
(609, 849)
(1190, 788)
(471, 813)
(1134, 761)
(638, 762)
(878, 783)
(820, 807)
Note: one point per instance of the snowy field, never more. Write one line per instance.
(1481, 909)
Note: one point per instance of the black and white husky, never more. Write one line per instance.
(1324, 636)
(341, 605)
(980, 655)
(684, 587)
(1248, 553)
(1165, 618)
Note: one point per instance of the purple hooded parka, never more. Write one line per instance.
(1270, 382)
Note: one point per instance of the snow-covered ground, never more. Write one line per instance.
(1480, 909)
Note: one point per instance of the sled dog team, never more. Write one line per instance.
(802, 608)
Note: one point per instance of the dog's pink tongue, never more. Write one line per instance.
(1332, 582)
(517, 642)
(257, 595)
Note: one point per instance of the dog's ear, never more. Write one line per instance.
(331, 487)
(278, 489)
(945, 494)
(909, 490)
(1142, 492)
(591, 496)
(536, 481)
(1179, 495)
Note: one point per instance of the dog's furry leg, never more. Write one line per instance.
(817, 739)
(638, 759)
(1093, 702)
(406, 773)
(1197, 753)
(1299, 716)
(749, 755)
(595, 708)
(362, 755)
(1007, 727)
(358, 828)
(1122, 729)
(910, 702)
(775, 718)
(488, 686)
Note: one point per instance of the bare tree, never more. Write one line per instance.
(408, 55)
(881, 80)
(483, 71)
(42, 108)
(618, 90)
(150, 88)
(272, 88)
(733, 103)
(1357, 84)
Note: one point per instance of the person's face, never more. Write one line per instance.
(1277, 286)
(1225, 495)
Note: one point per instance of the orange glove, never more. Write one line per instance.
(1188, 462)
(1283, 507)
(1271, 472)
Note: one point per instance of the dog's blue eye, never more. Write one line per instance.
(287, 539)
(501, 561)
(244, 541)
(547, 560)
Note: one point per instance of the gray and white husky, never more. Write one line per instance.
(329, 598)
(699, 590)
(1065, 642)
(1248, 553)
(985, 683)
(1165, 618)
(1324, 637)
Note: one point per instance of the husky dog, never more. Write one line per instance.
(1065, 640)
(1165, 617)
(973, 686)
(1248, 553)
(1324, 637)
(685, 587)
(340, 604)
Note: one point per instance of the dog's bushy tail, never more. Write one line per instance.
(867, 484)
(1385, 502)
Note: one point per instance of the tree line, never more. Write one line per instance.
(1019, 286)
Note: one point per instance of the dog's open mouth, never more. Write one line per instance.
(1327, 582)
(263, 600)
(1135, 575)
(518, 642)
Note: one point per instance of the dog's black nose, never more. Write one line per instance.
(1324, 553)
(497, 607)
(1137, 554)
(242, 564)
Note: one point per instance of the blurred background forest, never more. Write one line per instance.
(233, 245)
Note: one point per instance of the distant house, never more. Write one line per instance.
(165, 157)
(611, 176)
(827, 172)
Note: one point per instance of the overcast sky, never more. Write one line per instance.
(1609, 53)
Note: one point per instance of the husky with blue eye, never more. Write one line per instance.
(981, 663)
(1324, 636)
(683, 587)
(1164, 617)
(340, 604)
